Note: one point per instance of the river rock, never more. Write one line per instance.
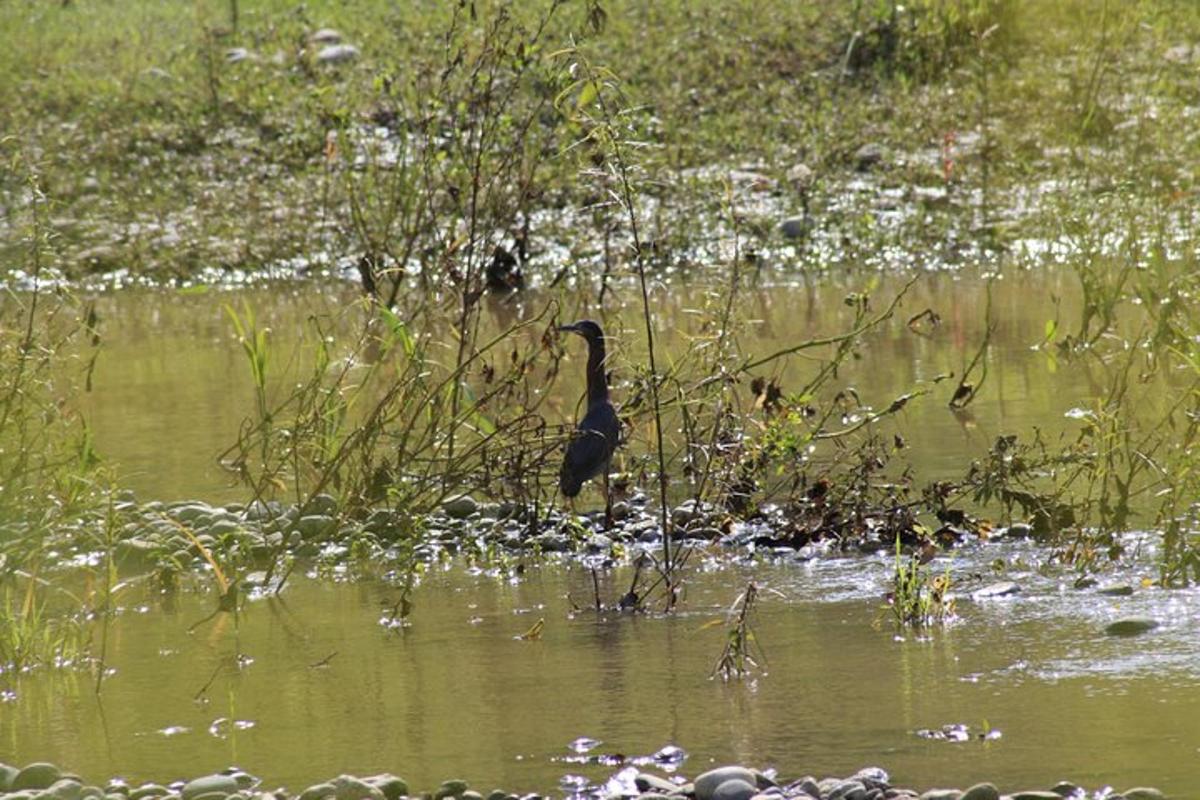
(209, 784)
(319, 791)
(734, 789)
(39, 775)
(325, 36)
(1116, 590)
(1133, 626)
(795, 227)
(943, 794)
(1143, 793)
(460, 507)
(847, 790)
(647, 782)
(981, 791)
(393, 787)
(64, 789)
(315, 525)
(999, 589)
(451, 788)
(873, 778)
(706, 784)
(148, 790)
(806, 785)
(337, 54)
(867, 156)
(8, 774)
(1035, 794)
(348, 787)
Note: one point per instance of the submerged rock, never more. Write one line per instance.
(39, 775)
(981, 791)
(1132, 626)
(999, 589)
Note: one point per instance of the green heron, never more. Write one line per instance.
(595, 437)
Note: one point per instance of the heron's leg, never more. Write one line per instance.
(608, 504)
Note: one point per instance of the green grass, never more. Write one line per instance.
(159, 156)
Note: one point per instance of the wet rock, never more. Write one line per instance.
(1133, 626)
(451, 788)
(999, 589)
(598, 543)
(1066, 789)
(471, 794)
(319, 791)
(393, 787)
(1143, 793)
(1035, 794)
(873, 777)
(847, 790)
(325, 36)
(148, 790)
(209, 784)
(1085, 582)
(868, 156)
(796, 227)
(942, 794)
(981, 791)
(1116, 590)
(734, 789)
(8, 774)
(647, 782)
(620, 510)
(706, 785)
(348, 787)
(550, 542)
(315, 525)
(39, 775)
(64, 789)
(337, 54)
(801, 177)
(804, 786)
(460, 507)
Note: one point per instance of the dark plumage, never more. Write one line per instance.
(595, 438)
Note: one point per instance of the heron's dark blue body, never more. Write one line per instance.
(595, 438)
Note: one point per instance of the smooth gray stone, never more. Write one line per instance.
(393, 787)
(942, 794)
(873, 777)
(1066, 788)
(981, 791)
(1143, 793)
(460, 507)
(1133, 626)
(646, 782)
(734, 789)
(1116, 590)
(999, 589)
(348, 787)
(319, 791)
(209, 784)
(38, 775)
(147, 790)
(8, 774)
(848, 790)
(64, 789)
(706, 784)
(451, 788)
(337, 54)
(1036, 794)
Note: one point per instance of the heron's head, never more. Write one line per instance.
(585, 328)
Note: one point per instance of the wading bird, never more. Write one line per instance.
(595, 437)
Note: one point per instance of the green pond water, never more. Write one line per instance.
(311, 684)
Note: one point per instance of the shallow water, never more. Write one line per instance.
(324, 688)
(171, 385)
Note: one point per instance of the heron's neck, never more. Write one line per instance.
(597, 383)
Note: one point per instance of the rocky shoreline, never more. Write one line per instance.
(44, 781)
